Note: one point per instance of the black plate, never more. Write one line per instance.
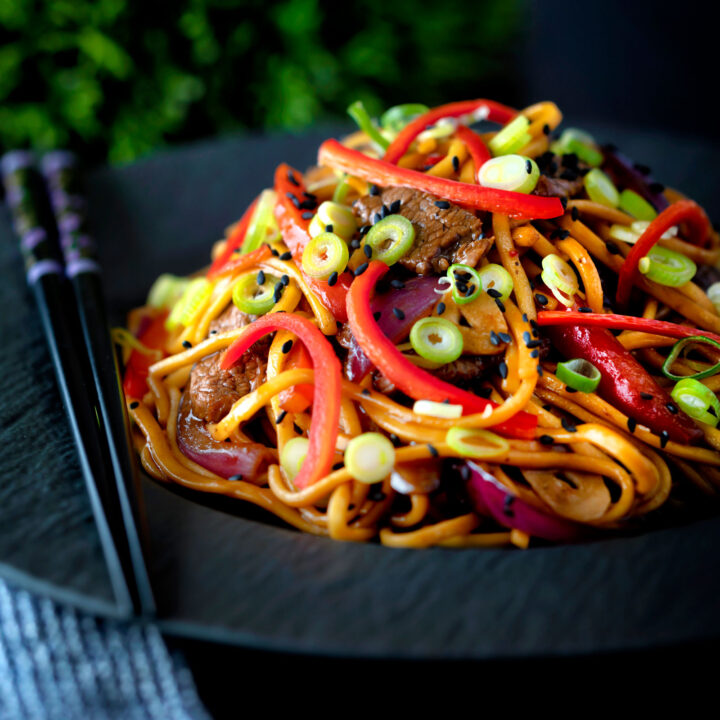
(222, 573)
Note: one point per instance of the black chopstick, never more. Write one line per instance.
(34, 224)
(64, 182)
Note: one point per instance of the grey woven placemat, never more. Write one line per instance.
(58, 664)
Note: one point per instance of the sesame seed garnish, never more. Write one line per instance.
(367, 249)
(500, 304)
(646, 396)
(546, 439)
(261, 278)
(528, 166)
(507, 505)
(377, 315)
(568, 425)
(493, 293)
(632, 424)
(395, 207)
(308, 204)
(235, 478)
(440, 308)
(398, 313)
(134, 404)
(505, 337)
(526, 337)
(376, 218)
(364, 230)
(546, 129)
(278, 291)
(541, 299)
(285, 279)
(274, 252)
(355, 243)
(530, 344)
(563, 202)
(333, 278)
(280, 417)
(307, 215)
(563, 234)
(442, 204)
(329, 228)
(539, 370)
(365, 392)
(394, 439)
(360, 269)
(186, 344)
(433, 450)
(494, 338)
(672, 407)
(535, 354)
(664, 437)
(503, 369)
(213, 332)
(291, 178)
(585, 309)
(574, 214)
(287, 255)
(287, 346)
(374, 190)
(292, 198)
(456, 163)
(399, 284)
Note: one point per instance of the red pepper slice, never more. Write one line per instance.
(328, 386)
(409, 378)
(495, 113)
(624, 383)
(335, 155)
(476, 147)
(237, 236)
(686, 211)
(294, 229)
(136, 371)
(299, 398)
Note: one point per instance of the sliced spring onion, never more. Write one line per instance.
(333, 213)
(511, 138)
(640, 226)
(476, 443)
(394, 119)
(678, 347)
(252, 298)
(601, 189)
(667, 267)
(293, 455)
(465, 282)
(713, 293)
(624, 233)
(579, 374)
(263, 226)
(637, 206)
(580, 143)
(341, 190)
(442, 129)
(361, 116)
(510, 172)
(325, 254)
(560, 278)
(370, 457)
(697, 400)
(437, 340)
(496, 277)
(437, 409)
(190, 304)
(390, 238)
(166, 291)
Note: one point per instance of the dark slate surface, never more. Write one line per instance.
(222, 573)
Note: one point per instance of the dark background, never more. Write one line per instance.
(116, 79)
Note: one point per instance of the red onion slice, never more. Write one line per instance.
(626, 175)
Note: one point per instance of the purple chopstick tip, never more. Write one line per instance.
(16, 160)
(57, 160)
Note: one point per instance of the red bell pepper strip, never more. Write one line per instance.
(409, 378)
(294, 229)
(328, 386)
(234, 241)
(138, 365)
(624, 382)
(476, 147)
(299, 398)
(621, 322)
(495, 113)
(335, 155)
(686, 211)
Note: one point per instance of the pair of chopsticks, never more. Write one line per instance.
(62, 270)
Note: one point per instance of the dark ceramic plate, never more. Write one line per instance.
(225, 572)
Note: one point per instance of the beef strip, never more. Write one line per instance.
(442, 235)
(230, 319)
(213, 391)
(561, 175)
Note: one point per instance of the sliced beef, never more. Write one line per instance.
(468, 369)
(561, 175)
(213, 391)
(230, 319)
(444, 233)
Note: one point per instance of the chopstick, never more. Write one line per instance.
(66, 331)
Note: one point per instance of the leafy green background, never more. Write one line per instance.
(114, 79)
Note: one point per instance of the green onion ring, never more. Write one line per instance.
(390, 238)
(436, 339)
(325, 254)
(697, 400)
(678, 347)
(254, 299)
(667, 267)
(473, 283)
(579, 374)
(496, 277)
(461, 441)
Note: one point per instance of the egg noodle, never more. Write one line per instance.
(569, 458)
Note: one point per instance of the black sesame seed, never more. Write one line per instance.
(646, 396)
(570, 390)
(574, 214)
(503, 369)
(307, 215)
(672, 407)
(213, 332)
(367, 250)
(442, 204)
(355, 243)
(399, 284)
(333, 278)
(292, 198)
(535, 354)
(235, 478)
(134, 404)
(563, 202)
(261, 278)
(528, 166)
(433, 450)
(377, 315)
(398, 313)
(505, 337)
(540, 370)
(365, 392)
(664, 437)
(526, 337)
(278, 291)
(632, 424)
(364, 230)
(186, 344)
(500, 305)
(361, 269)
(376, 218)
(287, 255)
(374, 190)
(507, 505)
(546, 129)
(280, 417)
(568, 425)
(494, 338)
(395, 207)
(546, 439)
(563, 234)
(308, 204)
(542, 300)
(285, 279)
(274, 252)
(456, 163)
(329, 228)
(287, 346)
(493, 293)
(440, 308)
(584, 309)
(291, 178)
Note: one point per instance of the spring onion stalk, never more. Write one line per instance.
(190, 304)
(252, 297)
(390, 238)
(465, 282)
(370, 457)
(340, 217)
(293, 455)
(341, 190)
(510, 172)
(601, 189)
(560, 278)
(476, 443)
(442, 129)
(437, 340)
(437, 409)
(394, 119)
(361, 116)
(697, 400)
(678, 347)
(713, 293)
(166, 291)
(496, 277)
(637, 206)
(579, 374)
(263, 226)
(631, 233)
(640, 226)
(667, 267)
(511, 138)
(325, 254)
(577, 142)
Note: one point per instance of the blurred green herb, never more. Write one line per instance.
(113, 79)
